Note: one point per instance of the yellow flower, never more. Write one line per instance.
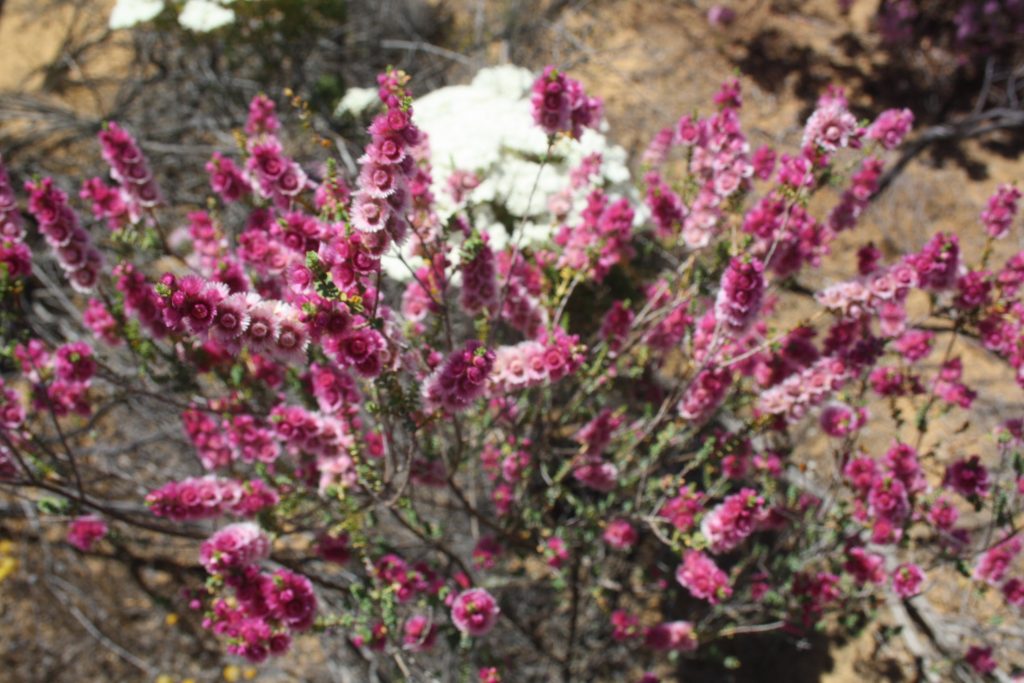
(232, 673)
(171, 619)
(7, 567)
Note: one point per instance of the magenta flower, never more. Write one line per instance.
(701, 576)
(891, 126)
(731, 522)
(831, 127)
(419, 634)
(907, 580)
(980, 659)
(671, 635)
(1002, 209)
(620, 534)
(561, 106)
(968, 477)
(233, 547)
(474, 612)
(995, 562)
(461, 379)
(290, 598)
(865, 567)
(84, 531)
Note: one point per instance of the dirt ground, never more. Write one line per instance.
(652, 61)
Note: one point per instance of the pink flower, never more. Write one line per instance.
(334, 548)
(262, 118)
(720, 16)
(486, 552)
(290, 599)
(839, 420)
(937, 263)
(980, 659)
(907, 580)
(943, 514)
(556, 552)
(234, 547)
(419, 634)
(561, 106)
(461, 379)
(891, 126)
(740, 295)
(475, 611)
(731, 522)
(682, 509)
(968, 477)
(489, 674)
(831, 127)
(1013, 592)
(84, 531)
(994, 563)
(701, 576)
(671, 635)
(1001, 210)
(620, 534)
(625, 626)
(865, 567)
(706, 392)
(598, 475)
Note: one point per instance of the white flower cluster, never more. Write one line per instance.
(487, 128)
(200, 16)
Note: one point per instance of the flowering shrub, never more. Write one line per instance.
(624, 409)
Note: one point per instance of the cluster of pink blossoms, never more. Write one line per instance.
(58, 223)
(994, 564)
(811, 386)
(532, 363)
(507, 468)
(561, 106)
(479, 284)
(886, 491)
(521, 286)
(61, 380)
(227, 179)
(267, 609)
(683, 509)
(234, 547)
(208, 497)
(891, 126)
(707, 391)
(137, 191)
(854, 200)
(602, 240)
(407, 580)
(882, 292)
(269, 172)
(84, 531)
(1001, 210)
(461, 379)
(719, 162)
(739, 295)
(15, 256)
(388, 169)
(731, 522)
(594, 471)
(701, 576)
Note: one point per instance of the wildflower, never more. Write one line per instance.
(474, 612)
